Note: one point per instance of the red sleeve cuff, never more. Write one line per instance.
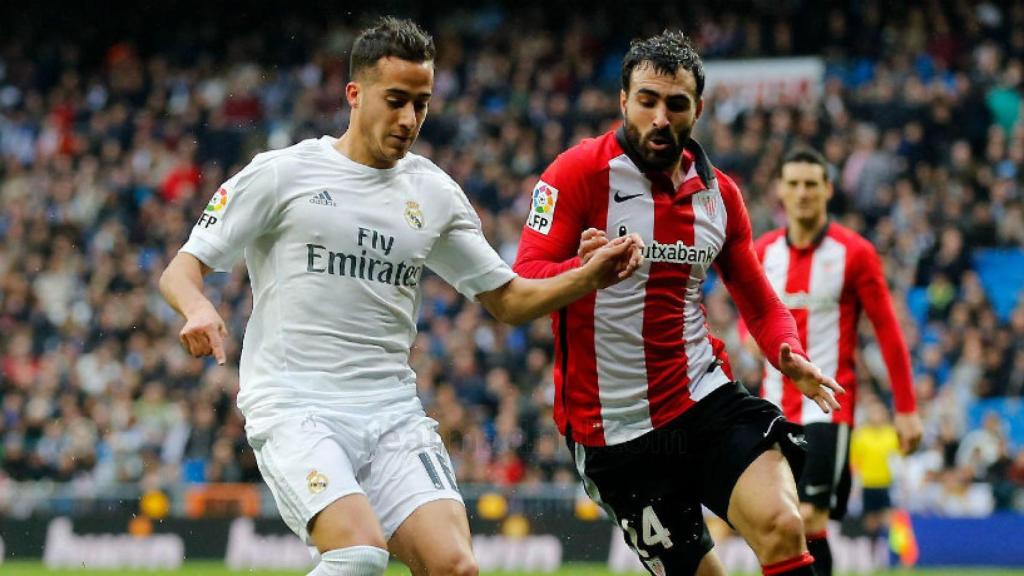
(799, 351)
(904, 405)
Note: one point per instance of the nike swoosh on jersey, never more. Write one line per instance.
(620, 198)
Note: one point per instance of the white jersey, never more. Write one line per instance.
(335, 251)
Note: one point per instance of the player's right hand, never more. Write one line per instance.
(204, 333)
(616, 260)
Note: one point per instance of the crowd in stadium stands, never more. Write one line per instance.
(107, 160)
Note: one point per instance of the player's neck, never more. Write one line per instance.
(804, 234)
(679, 172)
(356, 148)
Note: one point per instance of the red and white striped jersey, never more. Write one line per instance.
(825, 286)
(634, 356)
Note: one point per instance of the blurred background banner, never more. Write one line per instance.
(118, 126)
(549, 541)
(758, 82)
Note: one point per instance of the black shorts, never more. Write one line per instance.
(825, 483)
(653, 486)
(876, 500)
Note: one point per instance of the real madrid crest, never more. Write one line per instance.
(413, 214)
(316, 482)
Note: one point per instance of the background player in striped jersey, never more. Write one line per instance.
(644, 394)
(826, 274)
(336, 233)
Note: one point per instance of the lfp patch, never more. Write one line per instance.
(542, 209)
(218, 202)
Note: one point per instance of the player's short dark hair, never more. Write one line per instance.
(667, 52)
(390, 37)
(805, 155)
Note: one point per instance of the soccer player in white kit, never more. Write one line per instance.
(335, 234)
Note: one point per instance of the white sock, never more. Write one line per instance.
(352, 561)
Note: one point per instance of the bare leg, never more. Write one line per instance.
(764, 509)
(434, 541)
(349, 538)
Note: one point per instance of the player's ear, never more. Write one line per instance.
(352, 92)
(700, 108)
(623, 96)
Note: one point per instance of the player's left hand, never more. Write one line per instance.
(594, 239)
(909, 430)
(590, 240)
(628, 265)
(809, 379)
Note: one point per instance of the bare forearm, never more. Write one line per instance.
(524, 299)
(181, 284)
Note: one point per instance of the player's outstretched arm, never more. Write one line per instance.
(766, 317)
(524, 299)
(181, 285)
(809, 380)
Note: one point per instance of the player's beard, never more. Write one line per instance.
(657, 159)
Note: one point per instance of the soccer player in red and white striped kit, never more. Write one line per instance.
(644, 393)
(826, 274)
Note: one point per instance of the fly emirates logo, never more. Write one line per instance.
(321, 260)
(679, 253)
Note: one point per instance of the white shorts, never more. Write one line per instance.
(392, 454)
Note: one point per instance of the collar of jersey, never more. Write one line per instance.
(817, 238)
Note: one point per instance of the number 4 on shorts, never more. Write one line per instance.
(654, 532)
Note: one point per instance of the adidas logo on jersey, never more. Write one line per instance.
(323, 199)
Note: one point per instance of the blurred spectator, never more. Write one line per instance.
(874, 446)
(980, 449)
